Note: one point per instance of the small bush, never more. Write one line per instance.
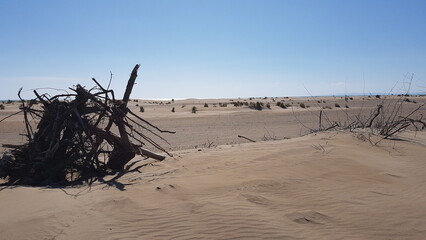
(1, 106)
(9, 102)
(141, 109)
(378, 96)
(326, 107)
(337, 105)
(238, 104)
(223, 104)
(302, 105)
(183, 106)
(194, 109)
(173, 109)
(206, 105)
(281, 105)
(346, 106)
(258, 106)
(268, 106)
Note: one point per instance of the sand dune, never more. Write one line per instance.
(324, 186)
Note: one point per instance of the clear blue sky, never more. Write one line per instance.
(221, 48)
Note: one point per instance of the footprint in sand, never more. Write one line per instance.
(256, 199)
(312, 217)
(165, 187)
(393, 175)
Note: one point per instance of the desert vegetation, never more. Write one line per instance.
(268, 106)
(386, 120)
(240, 104)
(256, 106)
(283, 105)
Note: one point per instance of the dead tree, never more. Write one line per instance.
(75, 138)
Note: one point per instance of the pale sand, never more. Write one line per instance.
(325, 186)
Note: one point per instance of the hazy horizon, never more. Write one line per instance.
(254, 97)
(215, 49)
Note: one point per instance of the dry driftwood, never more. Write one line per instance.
(251, 140)
(74, 140)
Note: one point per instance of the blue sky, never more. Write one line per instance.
(222, 48)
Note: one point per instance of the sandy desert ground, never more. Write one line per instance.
(286, 185)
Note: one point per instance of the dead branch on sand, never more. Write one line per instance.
(73, 141)
(251, 140)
